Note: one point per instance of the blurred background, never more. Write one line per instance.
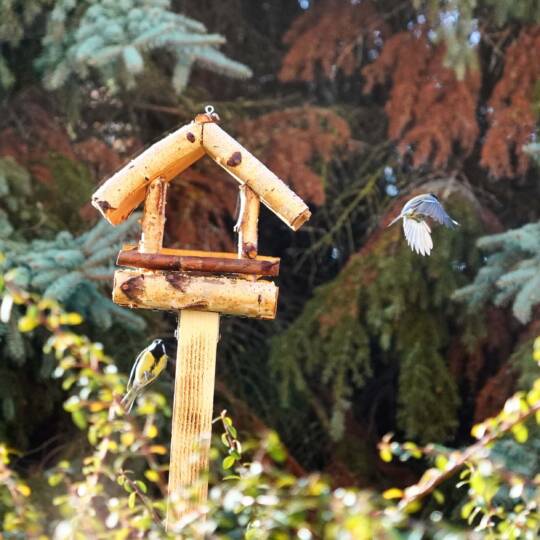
(357, 105)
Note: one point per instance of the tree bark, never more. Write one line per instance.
(153, 221)
(186, 263)
(248, 222)
(126, 189)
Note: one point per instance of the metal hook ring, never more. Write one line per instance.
(209, 109)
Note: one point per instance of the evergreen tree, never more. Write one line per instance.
(117, 39)
(510, 274)
(388, 310)
(72, 270)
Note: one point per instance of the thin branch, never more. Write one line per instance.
(455, 465)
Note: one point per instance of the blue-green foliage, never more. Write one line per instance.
(511, 273)
(115, 37)
(71, 270)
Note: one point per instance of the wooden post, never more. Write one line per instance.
(248, 221)
(153, 221)
(198, 334)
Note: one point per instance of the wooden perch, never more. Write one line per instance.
(153, 221)
(163, 261)
(124, 191)
(248, 220)
(176, 290)
(198, 334)
(247, 169)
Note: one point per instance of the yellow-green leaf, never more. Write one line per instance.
(441, 462)
(157, 449)
(521, 433)
(71, 319)
(24, 490)
(127, 438)
(152, 475)
(438, 496)
(393, 493)
(385, 454)
(27, 324)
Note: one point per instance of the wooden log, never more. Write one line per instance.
(248, 221)
(198, 334)
(174, 291)
(200, 253)
(125, 190)
(247, 169)
(162, 261)
(153, 221)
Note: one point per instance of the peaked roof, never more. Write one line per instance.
(125, 190)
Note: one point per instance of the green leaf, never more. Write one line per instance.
(224, 440)
(441, 462)
(55, 479)
(438, 496)
(141, 485)
(228, 462)
(131, 499)
(79, 419)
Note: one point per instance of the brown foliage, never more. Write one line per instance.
(30, 133)
(429, 109)
(329, 35)
(495, 392)
(200, 206)
(494, 347)
(289, 141)
(511, 116)
(99, 156)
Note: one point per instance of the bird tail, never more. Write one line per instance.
(129, 399)
(394, 220)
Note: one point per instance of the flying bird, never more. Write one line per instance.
(148, 365)
(414, 214)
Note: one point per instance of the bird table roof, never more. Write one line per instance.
(125, 190)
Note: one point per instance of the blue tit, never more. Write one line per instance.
(147, 367)
(414, 214)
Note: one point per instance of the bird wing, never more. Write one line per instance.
(418, 235)
(432, 208)
(134, 369)
(145, 366)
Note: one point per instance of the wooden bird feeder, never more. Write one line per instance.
(199, 285)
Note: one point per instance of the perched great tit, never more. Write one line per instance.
(147, 367)
(417, 231)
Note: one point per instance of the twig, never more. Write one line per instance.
(342, 219)
(144, 500)
(426, 488)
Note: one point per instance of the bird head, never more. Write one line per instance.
(158, 348)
